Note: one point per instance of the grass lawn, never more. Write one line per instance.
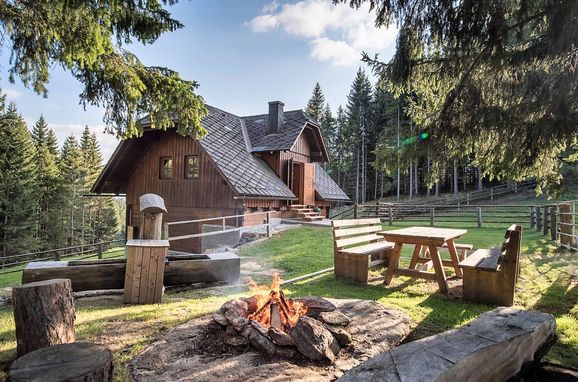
(545, 284)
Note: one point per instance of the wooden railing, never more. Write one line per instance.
(90, 250)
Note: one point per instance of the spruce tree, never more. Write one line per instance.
(316, 104)
(328, 131)
(48, 187)
(17, 184)
(72, 177)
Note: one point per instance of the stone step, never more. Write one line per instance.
(313, 218)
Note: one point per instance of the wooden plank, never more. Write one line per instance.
(439, 269)
(454, 258)
(136, 274)
(160, 271)
(129, 273)
(472, 261)
(415, 273)
(369, 248)
(341, 233)
(352, 267)
(414, 257)
(491, 261)
(357, 240)
(144, 277)
(354, 222)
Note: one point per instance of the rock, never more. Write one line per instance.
(315, 305)
(222, 320)
(280, 337)
(235, 312)
(260, 328)
(252, 303)
(287, 352)
(334, 318)
(231, 331)
(314, 341)
(341, 335)
(262, 343)
(493, 347)
(235, 340)
(247, 331)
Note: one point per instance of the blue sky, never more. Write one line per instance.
(242, 53)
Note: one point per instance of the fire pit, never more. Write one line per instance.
(279, 326)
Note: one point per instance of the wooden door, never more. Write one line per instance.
(297, 180)
(309, 184)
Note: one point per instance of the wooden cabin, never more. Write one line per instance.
(245, 164)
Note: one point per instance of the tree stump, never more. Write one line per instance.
(44, 314)
(76, 362)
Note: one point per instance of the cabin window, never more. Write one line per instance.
(166, 168)
(192, 167)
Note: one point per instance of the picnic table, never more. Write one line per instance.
(428, 237)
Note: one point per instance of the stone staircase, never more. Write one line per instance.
(306, 213)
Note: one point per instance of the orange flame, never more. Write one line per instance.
(272, 297)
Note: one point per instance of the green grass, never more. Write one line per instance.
(545, 284)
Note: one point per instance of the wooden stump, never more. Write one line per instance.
(44, 314)
(76, 362)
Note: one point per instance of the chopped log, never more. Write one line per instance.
(76, 362)
(152, 206)
(44, 314)
(493, 347)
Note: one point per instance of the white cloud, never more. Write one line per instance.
(107, 142)
(12, 94)
(336, 33)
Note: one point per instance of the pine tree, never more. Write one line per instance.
(72, 177)
(316, 104)
(328, 131)
(359, 113)
(48, 187)
(17, 181)
(52, 143)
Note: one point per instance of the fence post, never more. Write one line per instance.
(545, 221)
(566, 219)
(479, 216)
(56, 255)
(538, 219)
(165, 231)
(532, 217)
(99, 251)
(431, 216)
(268, 224)
(492, 193)
(468, 198)
(554, 223)
(355, 212)
(390, 215)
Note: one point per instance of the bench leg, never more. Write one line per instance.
(393, 263)
(415, 256)
(438, 266)
(352, 267)
(454, 257)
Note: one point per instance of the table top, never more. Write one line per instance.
(422, 235)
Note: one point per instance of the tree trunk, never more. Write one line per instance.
(455, 180)
(75, 362)
(44, 314)
(416, 183)
(410, 180)
(480, 180)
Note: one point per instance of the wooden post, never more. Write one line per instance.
(532, 217)
(129, 232)
(479, 216)
(492, 193)
(390, 213)
(145, 270)
(468, 198)
(567, 235)
(75, 362)
(545, 221)
(355, 211)
(269, 231)
(554, 223)
(44, 314)
(57, 255)
(538, 218)
(165, 233)
(152, 206)
(431, 216)
(99, 250)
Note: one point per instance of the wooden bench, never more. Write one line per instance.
(461, 248)
(490, 274)
(357, 247)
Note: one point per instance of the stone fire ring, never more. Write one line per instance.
(202, 351)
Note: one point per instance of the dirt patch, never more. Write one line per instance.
(196, 351)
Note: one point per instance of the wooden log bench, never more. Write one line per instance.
(493, 347)
(490, 275)
(357, 247)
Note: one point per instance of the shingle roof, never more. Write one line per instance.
(326, 188)
(293, 123)
(225, 144)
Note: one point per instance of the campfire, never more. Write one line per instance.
(280, 326)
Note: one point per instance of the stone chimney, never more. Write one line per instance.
(275, 117)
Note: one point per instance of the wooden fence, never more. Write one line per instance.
(86, 251)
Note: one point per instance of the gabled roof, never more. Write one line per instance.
(326, 188)
(226, 145)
